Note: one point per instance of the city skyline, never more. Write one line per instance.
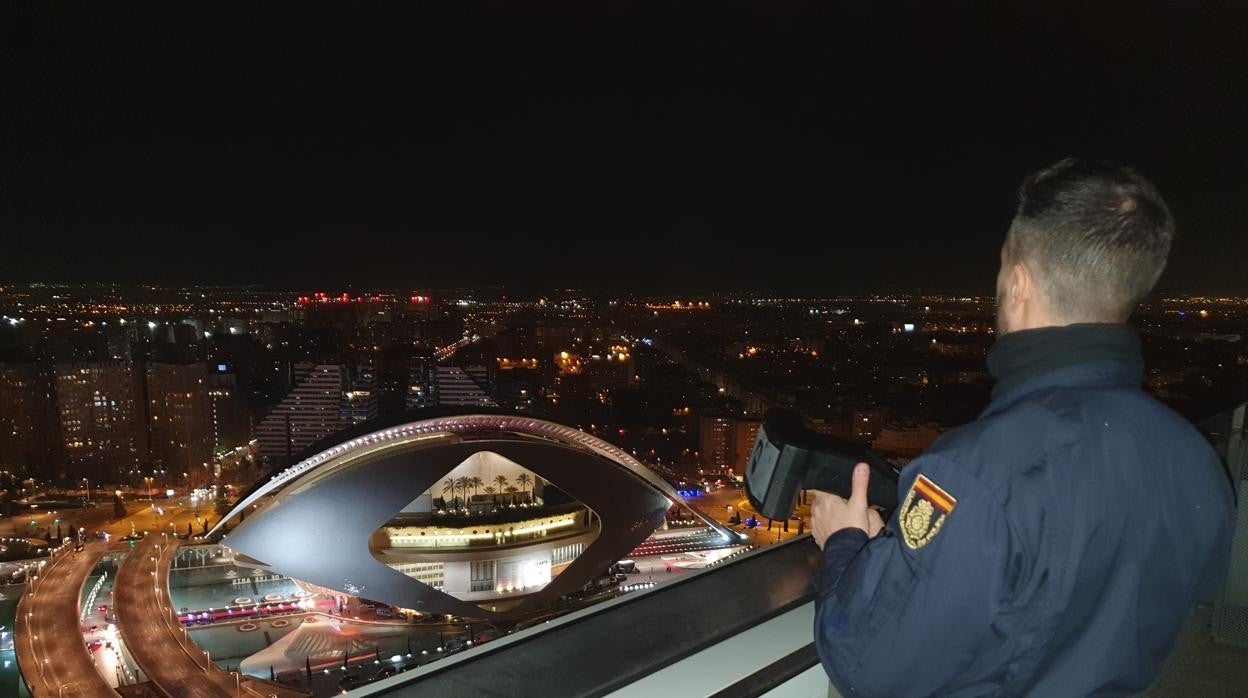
(338, 340)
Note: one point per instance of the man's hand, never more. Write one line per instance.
(830, 513)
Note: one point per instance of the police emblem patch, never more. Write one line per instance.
(924, 512)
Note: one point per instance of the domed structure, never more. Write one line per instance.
(365, 517)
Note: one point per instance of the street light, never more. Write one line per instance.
(149, 481)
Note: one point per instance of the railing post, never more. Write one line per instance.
(1230, 612)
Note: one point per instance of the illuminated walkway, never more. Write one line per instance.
(47, 636)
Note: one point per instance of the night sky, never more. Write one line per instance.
(719, 146)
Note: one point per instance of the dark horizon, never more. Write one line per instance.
(784, 149)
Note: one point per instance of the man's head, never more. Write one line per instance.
(1087, 244)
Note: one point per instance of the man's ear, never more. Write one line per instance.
(1016, 288)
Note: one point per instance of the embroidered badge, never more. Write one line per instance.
(924, 512)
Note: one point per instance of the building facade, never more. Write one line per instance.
(179, 416)
(100, 409)
(463, 387)
(27, 421)
(309, 413)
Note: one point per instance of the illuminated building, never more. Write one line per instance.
(610, 369)
(744, 434)
(410, 529)
(102, 431)
(309, 413)
(420, 389)
(518, 383)
(27, 441)
(463, 387)
(358, 405)
(725, 442)
(179, 416)
(716, 441)
(230, 424)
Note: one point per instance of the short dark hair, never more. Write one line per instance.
(1096, 234)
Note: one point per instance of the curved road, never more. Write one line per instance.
(47, 628)
(152, 633)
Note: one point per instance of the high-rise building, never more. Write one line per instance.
(716, 441)
(310, 412)
(358, 406)
(178, 416)
(518, 383)
(117, 341)
(421, 378)
(103, 432)
(27, 421)
(745, 433)
(725, 442)
(228, 414)
(360, 401)
(463, 387)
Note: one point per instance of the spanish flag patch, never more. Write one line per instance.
(924, 512)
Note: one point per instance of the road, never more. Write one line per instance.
(152, 634)
(722, 504)
(48, 638)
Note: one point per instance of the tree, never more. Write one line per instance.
(476, 482)
(490, 491)
(502, 483)
(448, 485)
(461, 484)
(524, 480)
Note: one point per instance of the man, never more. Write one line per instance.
(1054, 546)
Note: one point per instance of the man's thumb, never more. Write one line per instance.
(862, 476)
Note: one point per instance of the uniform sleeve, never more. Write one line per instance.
(912, 611)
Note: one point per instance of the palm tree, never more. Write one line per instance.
(448, 485)
(490, 491)
(524, 480)
(502, 482)
(461, 484)
(476, 483)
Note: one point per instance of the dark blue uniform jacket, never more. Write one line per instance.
(1053, 547)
